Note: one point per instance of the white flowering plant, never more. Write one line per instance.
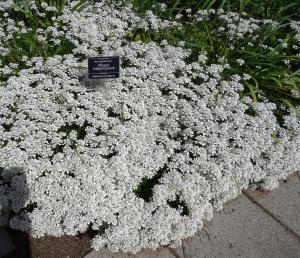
(266, 50)
(141, 160)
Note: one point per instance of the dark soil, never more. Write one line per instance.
(49, 246)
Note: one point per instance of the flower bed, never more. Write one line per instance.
(142, 160)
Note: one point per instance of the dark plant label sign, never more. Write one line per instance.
(104, 67)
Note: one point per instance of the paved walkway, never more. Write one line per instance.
(257, 224)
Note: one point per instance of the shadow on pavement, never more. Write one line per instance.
(14, 206)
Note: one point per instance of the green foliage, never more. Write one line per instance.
(271, 77)
(270, 9)
(27, 44)
(179, 204)
(145, 188)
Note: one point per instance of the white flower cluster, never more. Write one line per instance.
(142, 160)
(232, 25)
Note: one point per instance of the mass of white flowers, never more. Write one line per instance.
(142, 160)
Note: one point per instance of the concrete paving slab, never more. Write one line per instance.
(147, 253)
(242, 230)
(283, 202)
(177, 252)
(6, 245)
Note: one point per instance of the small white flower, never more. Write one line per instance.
(246, 76)
(240, 61)
(41, 38)
(178, 16)
(181, 43)
(202, 58)
(164, 42)
(163, 7)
